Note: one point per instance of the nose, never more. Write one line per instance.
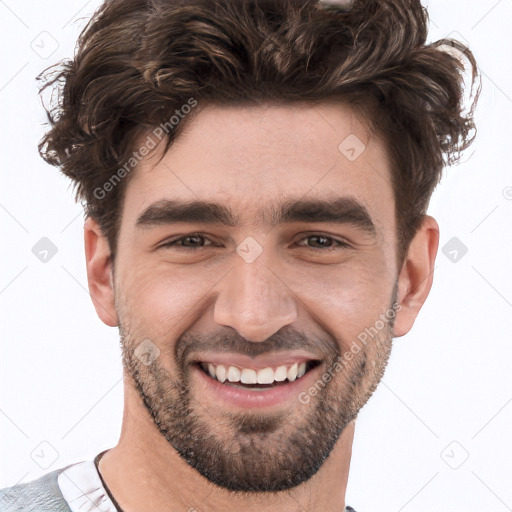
(254, 301)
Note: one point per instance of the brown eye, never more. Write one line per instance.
(323, 242)
(189, 242)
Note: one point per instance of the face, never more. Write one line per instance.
(255, 288)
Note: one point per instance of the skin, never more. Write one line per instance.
(244, 157)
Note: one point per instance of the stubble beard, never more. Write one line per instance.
(257, 452)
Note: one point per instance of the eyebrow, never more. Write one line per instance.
(342, 210)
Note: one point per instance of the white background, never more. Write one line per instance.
(447, 393)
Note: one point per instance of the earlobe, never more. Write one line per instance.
(417, 274)
(99, 272)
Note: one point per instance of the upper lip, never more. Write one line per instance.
(256, 363)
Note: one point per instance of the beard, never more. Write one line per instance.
(258, 451)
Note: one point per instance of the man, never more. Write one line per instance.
(256, 177)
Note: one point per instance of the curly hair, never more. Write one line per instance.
(138, 62)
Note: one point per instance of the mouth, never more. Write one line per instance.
(249, 378)
(257, 379)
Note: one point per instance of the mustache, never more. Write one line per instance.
(228, 340)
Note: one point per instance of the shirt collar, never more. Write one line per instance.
(83, 489)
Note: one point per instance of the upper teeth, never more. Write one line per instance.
(248, 376)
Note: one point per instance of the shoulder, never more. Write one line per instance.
(41, 495)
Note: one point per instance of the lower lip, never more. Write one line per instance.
(278, 395)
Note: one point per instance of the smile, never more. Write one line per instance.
(267, 375)
(269, 381)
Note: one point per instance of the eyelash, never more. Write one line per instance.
(172, 243)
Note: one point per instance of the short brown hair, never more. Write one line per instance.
(139, 61)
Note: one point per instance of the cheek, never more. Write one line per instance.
(162, 299)
(346, 300)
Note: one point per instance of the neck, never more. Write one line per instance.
(144, 472)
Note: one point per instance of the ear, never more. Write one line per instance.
(417, 274)
(99, 272)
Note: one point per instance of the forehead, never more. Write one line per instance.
(255, 157)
